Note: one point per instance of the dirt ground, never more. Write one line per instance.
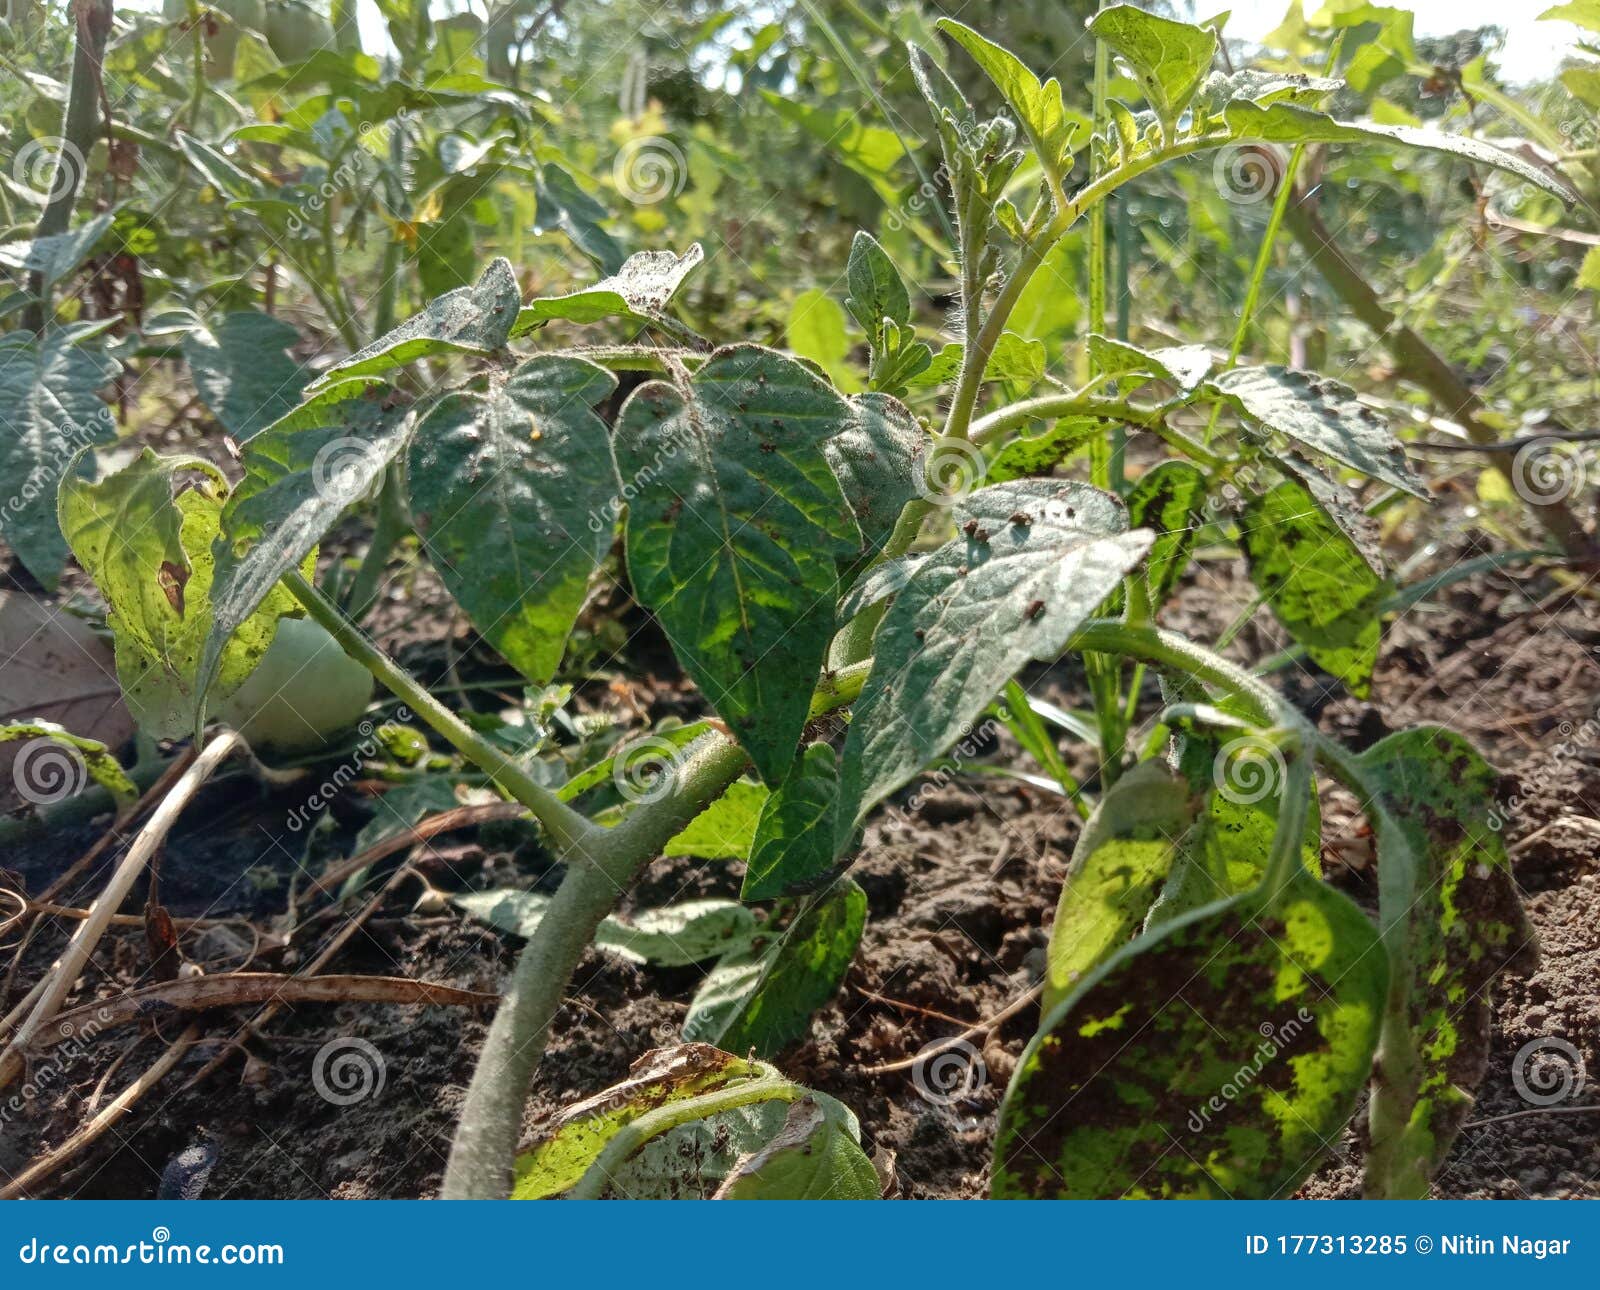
(961, 892)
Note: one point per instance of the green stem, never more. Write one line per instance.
(390, 528)
(1288, 837)
(1075, 403)
(567, 829)
(79, 124)
(767, 1086)
(482, 1156)
(1176, 653)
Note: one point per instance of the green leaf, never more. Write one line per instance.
(1452, 921)
(1169, 59)
(1218, 1057)
(764, 1000)
(870, 150)
(1030, 456)
(1583, 83)
(1263, 87)
(792, 850)
(877, 290)
(59, 774)
(1031, 561)
(660, 1078)
(301, 474)
(943, 95)
(1120, 861)
(1183, 366)
(673, 936)
(1239, 779)
(726, 829)
(148, 548)
(1589, 271)
(1287, 123)
(816, 332)
(50, 411)
(1318, 583)
(469, 320)
(511, 493)
(879, 460)
(1341, 506)
(1014, 358)
(241, 371)
(735, 527)
(1040, 109)
(227, 178)
(566, 207)
(56, 255)
(1323, 415)
(1170, 501)
(814, 1157)
(690, 1118)
(1582, 13)
(638, 292)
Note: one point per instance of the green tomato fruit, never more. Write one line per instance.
(296, 31)
(304, 690)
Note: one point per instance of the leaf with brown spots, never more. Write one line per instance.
(736, 549)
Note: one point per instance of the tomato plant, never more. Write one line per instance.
(852, 564)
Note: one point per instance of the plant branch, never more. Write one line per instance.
(1420, 362)
(1076, 403)
(567, 828)
(483, 1154)
(79, 127)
